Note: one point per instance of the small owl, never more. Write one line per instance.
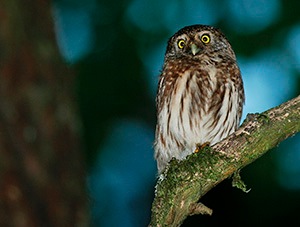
(200, 93)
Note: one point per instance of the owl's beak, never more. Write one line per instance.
(195, 49)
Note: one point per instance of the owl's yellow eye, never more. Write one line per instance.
(181, 43)
(205, 38)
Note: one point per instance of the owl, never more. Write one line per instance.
(200, 93)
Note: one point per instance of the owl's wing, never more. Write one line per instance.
(160, 91)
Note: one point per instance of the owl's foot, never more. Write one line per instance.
(201, 146)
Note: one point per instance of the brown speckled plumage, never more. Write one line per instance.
(200, 93)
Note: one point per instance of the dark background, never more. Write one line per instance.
(117, 49)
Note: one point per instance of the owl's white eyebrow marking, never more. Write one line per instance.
(183, 36)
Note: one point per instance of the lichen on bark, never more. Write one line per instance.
(183, 183)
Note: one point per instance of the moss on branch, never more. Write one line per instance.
(183, 183)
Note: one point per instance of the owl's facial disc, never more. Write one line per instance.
(194, 49)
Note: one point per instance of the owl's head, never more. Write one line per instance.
(196, 41)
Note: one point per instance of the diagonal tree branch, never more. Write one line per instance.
(183, 183)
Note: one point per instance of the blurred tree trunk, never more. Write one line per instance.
(41, 168)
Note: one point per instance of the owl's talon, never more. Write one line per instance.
(201, 146)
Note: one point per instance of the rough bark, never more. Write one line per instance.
(41, 169)
(183, 183)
